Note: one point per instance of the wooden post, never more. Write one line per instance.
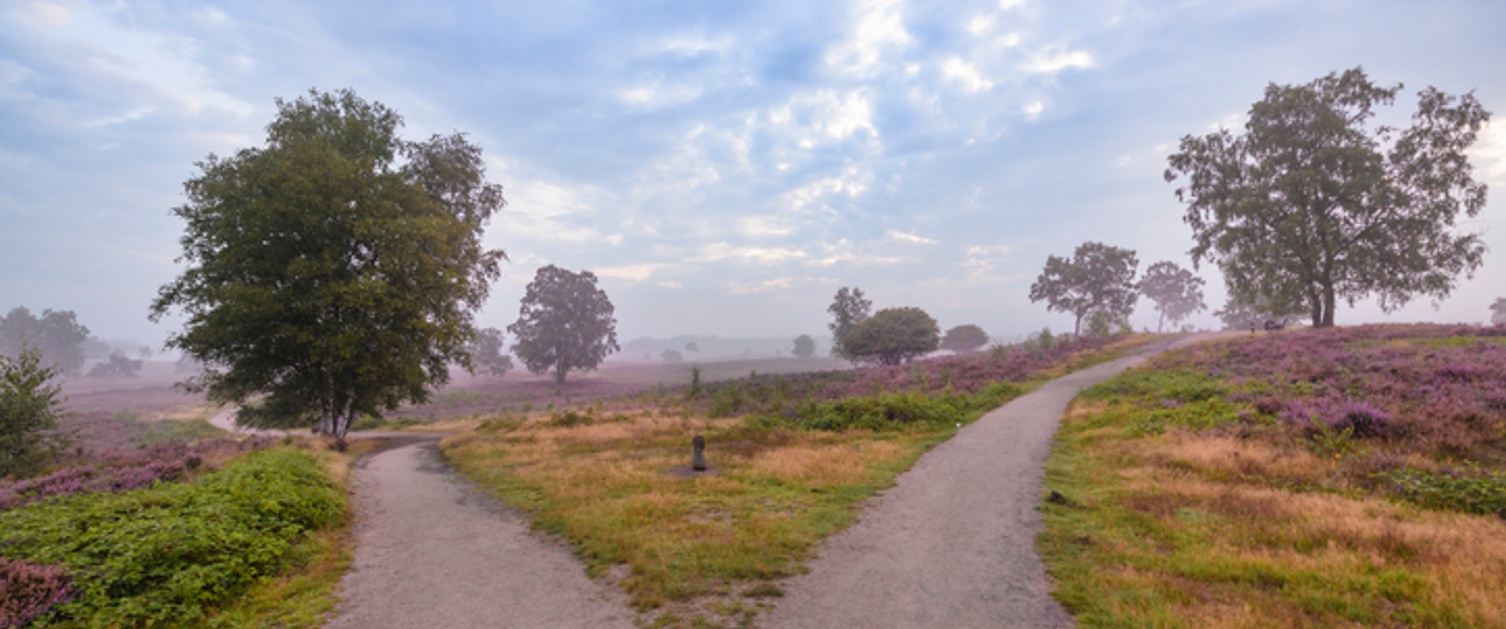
(698, 460)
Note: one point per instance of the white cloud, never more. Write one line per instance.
(908, 237)
(742, 288)
(764, 226)
(691, 45)
(631, 272)
(1006, 5)
(843, 251)
(547, 211)
(980, 25)
(166, 64)
(718, 251)
(809, 198)
(878, 26)
(1052, 61)
(1491, 151)
(981, 260)
(1009, 40)
(658, 95)
(965, 74)
(1033, 109)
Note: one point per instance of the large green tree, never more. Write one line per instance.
(1176, 292)
(565, 323)
(805, 346)
(1097, 278)
(892, 336)
(28, 413)
(57, 336)
(848, 308)
(1315, 202)
(335, 271)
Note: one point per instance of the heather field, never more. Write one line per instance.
(1338, 477)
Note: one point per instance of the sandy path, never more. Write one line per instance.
(434, 552)
(953, 543)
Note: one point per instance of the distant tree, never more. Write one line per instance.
(848, 308)
(892, 336)
(691, 347)
(95, 348)
(335, 270)
(1309, 205)
(29, 409)
(964, 338)
(144, 352)
(805, 346)
(672, 356)
(1498, 311)
(1097, 277)
(486, 353)
(1176, 292)
(56, 336)
(117, 365)
(565, 323)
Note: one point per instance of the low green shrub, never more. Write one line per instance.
(883, 411)
(170, 552)
(1471, 491)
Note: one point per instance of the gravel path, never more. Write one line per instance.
(953, 543)
(432, 551)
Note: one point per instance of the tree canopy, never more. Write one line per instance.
(1098, 277)
(892, 336)
(964, 338)
(848, 308)
(805, 346)
(28, 413)
(565, 323)
(1176, 292)
(1314, 202)
(1498, 311)
(336, 269)
(486, 353)
(57, 337)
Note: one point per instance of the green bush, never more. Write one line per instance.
(883, 411)
(1470, 491)
(28, 414)
(171, 552)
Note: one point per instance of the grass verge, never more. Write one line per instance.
(1191, 502)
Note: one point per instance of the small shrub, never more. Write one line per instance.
(27, 591)
(1470, 491)
(570, 419)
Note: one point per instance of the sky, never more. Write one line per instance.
(722, 167)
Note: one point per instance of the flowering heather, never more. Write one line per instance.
(1440, 387)
(123, 470)
(28, 590)
(964, 374)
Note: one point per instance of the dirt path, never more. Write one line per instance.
(953, 543)
(432, 551)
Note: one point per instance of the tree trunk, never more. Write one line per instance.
(559, 373)
(1077, 327)
(1328, 305)
(1160, 321)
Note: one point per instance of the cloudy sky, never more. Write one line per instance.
(724, 167)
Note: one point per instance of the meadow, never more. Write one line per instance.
(792, 458)
(1319, 478)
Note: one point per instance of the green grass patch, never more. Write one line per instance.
(168, 430)
(174, 553)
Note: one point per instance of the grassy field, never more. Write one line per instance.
(792, 458)
(1327, 478)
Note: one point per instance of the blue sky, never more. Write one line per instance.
(724, 167)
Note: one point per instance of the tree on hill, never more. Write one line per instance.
(1498, 311)
(964, 338)
(691, 347)
(1176, 292)
(1313, 203)
(117, 365)
(565, 323)
(1098, 277)
(805, 346)
(893, 336)
(335, 270)
(56, 336)
(29, 409)
(848, 308)
(672, 356)
(486, 353)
